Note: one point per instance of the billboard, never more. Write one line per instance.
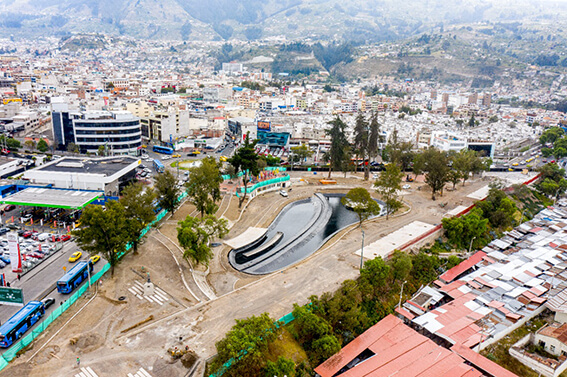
(264, 126)
(11, 296)
(15, 256)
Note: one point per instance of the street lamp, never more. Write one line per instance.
(362, 249)
(470, 246)
(401, 294)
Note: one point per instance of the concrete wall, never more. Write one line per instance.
(544, 370)
(552, 345)
(560, 317)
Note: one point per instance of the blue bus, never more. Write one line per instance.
(158, 166)
(74, 277)
(15, 327)
(164, 150)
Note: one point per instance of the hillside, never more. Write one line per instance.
(352, 20)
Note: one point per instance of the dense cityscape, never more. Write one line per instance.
(295, 189)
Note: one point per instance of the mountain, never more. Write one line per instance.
(354, 20)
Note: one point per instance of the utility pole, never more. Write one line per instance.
(362, 249)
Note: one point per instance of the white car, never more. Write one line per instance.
(406, 187)
(283, 193)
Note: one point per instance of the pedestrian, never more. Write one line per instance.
(8, 284)
(18, 276)
(78, 362)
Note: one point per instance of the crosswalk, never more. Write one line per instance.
(138, 290)
(87, 372)
(140, 373)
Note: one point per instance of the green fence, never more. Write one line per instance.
(11, 353)
(251, 189)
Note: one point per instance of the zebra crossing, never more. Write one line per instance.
(138, 290)
(140, 373)
(87, 372)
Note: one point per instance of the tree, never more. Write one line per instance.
(138, 204)
(104, 231)
(361, 138)
(324, 348)
(10, 143)
(336, 154)
(359, 200)
(399, 152)
(203, 186)
(102, 150)
(551, 135)
(400, 264)
(282, 367)
(472, 122)
(436, 166)
(460, 231)
(309, 326)
(388, 185)
(167, 190)
(374, 138)
(194, 235)
(30, 144)
(454, 177)
(245, 159)
(73, 148)
(246, 343)
(300, 153)
(42, 146)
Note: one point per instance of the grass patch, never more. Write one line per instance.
(498, 352)
(285, 345)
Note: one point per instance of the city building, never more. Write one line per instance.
(118, 131)
(107, 174)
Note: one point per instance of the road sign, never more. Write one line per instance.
(11, 296)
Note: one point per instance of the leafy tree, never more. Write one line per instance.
(472, 122)
(359, 200)
(551, 135)
(282, 367)
(388, 185)
(73, 148)
(30, 144)
(203, 186)
(552, 171)
(498, 208)
(436, 166)
(42, 146)
(309, 326)
(336, 154)
(300, 153)
(465, 162)
(245, 159)
(246, 343)
(11, 143)
(194, 235)
(551, 188)
(375, 274)
(167, 190)
(400, 265)
(101, 150)
(424, 268)
(399, 152)
(323, 348)
(139, 210)
(454, 177)
(374, 137)
(105, 232)
(361, 139)
(461, 230)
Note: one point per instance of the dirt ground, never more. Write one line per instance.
(115, 337)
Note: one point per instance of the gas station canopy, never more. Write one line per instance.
(52, 198)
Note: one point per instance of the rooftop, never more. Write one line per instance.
(53, 198)
(106, 166)
(392, 348)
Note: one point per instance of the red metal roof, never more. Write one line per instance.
(398, 350)
(462, 267)
(405, 313)
(481, 362)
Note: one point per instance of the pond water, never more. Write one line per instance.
(299, 239)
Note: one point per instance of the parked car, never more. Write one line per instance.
(9, 208)
(5, 258)
(4, 230)
(75, 256)
(13, 226)
(95, 258)
(26, 218)
(2, 264)
(65, 237)
(283, 193)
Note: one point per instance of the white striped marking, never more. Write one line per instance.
(142, 372)
(159, 297)
(86, 372)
